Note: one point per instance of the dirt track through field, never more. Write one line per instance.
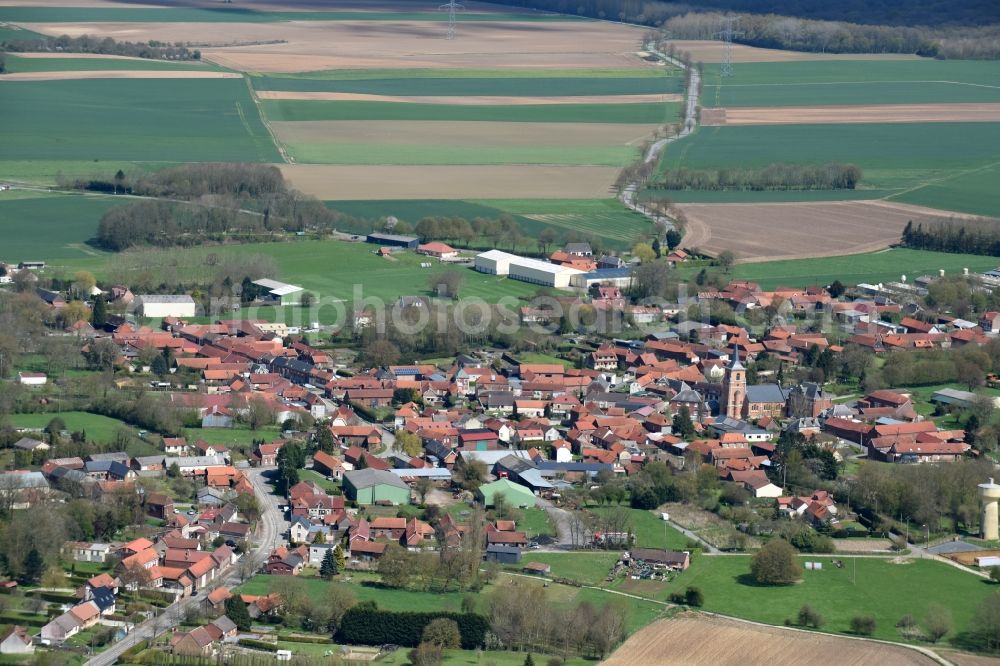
(118, 74)
(712, 52)
(461, 100)
(773, 231)
(451, 182)
(868, 113)
(464, 133)
(703, 639)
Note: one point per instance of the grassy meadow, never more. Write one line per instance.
(880, 587)
(99, 428)
(444, 154)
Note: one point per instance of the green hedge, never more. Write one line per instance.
(366, 626)
(258, 645)
(58, 597)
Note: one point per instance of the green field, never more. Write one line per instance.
(640, 613)
(49, 226)
(17, 64)
(332, 270)
(752, 196)
(616, 226)
(649, 530)
(99, 428)
(12, 33)
(819, 82)
(881, 588)
(132, 119)
(970, 192)
(892, 157)
(643, 113)
(26, 14)
(439, 154)
(589, 568)
(874, 267)
(477, 86)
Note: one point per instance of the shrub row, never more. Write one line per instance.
(258, 645)
(366, 626)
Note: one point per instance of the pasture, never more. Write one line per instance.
(49, 226)
(702, 639)
(589, 568)
(872, 267)
(881, 587)
(98, 428)
(126, 119)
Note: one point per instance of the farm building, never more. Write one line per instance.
(368, 486)
(32, 378)
(158, 307)
(525, 269)
(503, 554)
(956, 398)
(514, 493)
(439, 250)
(279, 292)
(612, 277)
(392, 240)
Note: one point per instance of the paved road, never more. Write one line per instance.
(270, 529)
(561, 519)
(688, 126)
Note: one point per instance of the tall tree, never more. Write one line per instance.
(236, 610)
(99, 315)
(328, 568)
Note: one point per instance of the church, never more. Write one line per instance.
(739, 401)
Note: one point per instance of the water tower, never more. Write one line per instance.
(989, 495)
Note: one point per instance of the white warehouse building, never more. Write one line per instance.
(525, 269)
(157, 306)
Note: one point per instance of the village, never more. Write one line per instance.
(678, 439)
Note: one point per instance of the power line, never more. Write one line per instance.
(726, 35)
(452, 7)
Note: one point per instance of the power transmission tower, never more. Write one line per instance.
(452, 7)
(726, 35)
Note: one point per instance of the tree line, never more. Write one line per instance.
(831, 176)
(205, 202)
(153, 49)
(980, 236)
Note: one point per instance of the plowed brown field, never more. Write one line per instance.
(869, 113)
(704, 639)
(770, 231)
(712, 51)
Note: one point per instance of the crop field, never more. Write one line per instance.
(434, 83)
(114, 119)
(862, 113)
(882, 587)
(806, 229)
(433, 142)
(899, 158)
(872, 268)
(913, 81)
(30, 63)
(60, 225)
(711, 51)
(702, 639)
(641, 113)
(332, 181)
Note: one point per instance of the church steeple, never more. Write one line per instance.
(734, 387)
